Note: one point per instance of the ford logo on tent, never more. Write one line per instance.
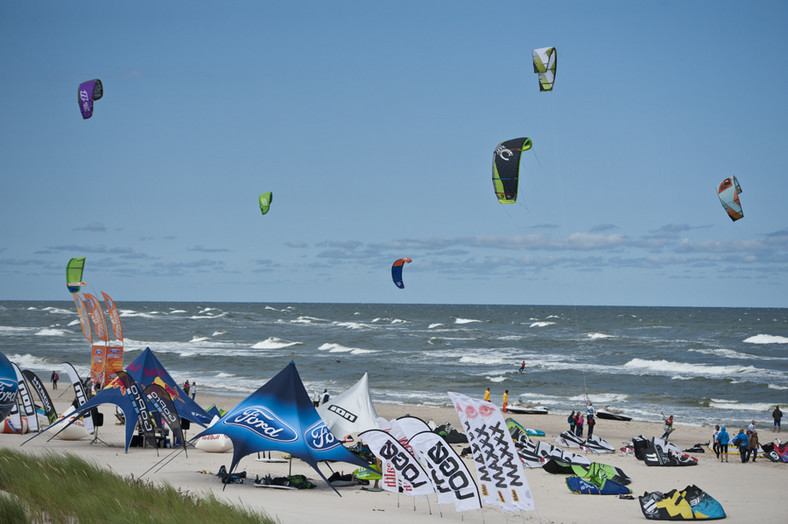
(264, 423)
(319, 438)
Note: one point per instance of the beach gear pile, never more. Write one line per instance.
(227, 478)
(658, 452)
(688, 504)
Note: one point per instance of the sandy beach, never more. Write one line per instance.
(746, 491)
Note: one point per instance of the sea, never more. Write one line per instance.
(702, 365)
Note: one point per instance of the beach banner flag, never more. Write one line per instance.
(84, 321)
(490, 439)
(8, 387)
(452, 479)
(114, 352)
(280, 416)
(389, 450)
(392, 480)
(114, 317)
(79, 392)
(351, 411)
(28, 409)
(144, 415)
(162, 402)
(46, 401)
(98, 360)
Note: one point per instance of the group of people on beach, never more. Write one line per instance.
(190, 387)
(577, 420)
(746, 440)
(505, 398)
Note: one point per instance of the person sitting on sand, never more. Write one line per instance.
(723, 438)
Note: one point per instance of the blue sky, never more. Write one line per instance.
(374, 124)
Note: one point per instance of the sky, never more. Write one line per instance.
(374, 124)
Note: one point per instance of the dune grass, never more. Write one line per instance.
(56, 488)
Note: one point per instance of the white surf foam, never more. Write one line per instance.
(338, 348)
(465, 320)
(275, 343)
(766, 339)
(51, 332)
(542, 323)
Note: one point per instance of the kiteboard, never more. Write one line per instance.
(367, 474)
(523, 409)
(609, 415)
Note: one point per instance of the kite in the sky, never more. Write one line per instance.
(74, 270)
(545, 63)
(396, 271)
(729, 197)
(265, 202)
(89, 92)
(506, 168)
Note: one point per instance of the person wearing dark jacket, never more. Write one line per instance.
(753, 446)
(591, 423)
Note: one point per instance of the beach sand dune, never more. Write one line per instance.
(748, 492)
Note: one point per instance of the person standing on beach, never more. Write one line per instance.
(668, 428)
(571, 420)
(186, 388)
(591, 424)
(505, 400)
(579, 424)
(325, 398)
(753, 446)
(715, 443)
(751, 427)
(55, 378)
(743, 444)
(776, 415)
(194, 389)
(487, 394)
(723, 438)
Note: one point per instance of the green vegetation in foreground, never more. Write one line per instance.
(68, 489)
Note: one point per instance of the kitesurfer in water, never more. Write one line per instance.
(522, 366)
(487, 395)
(505, 400)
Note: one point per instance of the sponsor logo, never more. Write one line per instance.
(486, 411)
(263, 422)
(8, 391)
(342, 412)
(503, 153)
(319, 438)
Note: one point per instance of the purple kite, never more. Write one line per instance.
(89, 92)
